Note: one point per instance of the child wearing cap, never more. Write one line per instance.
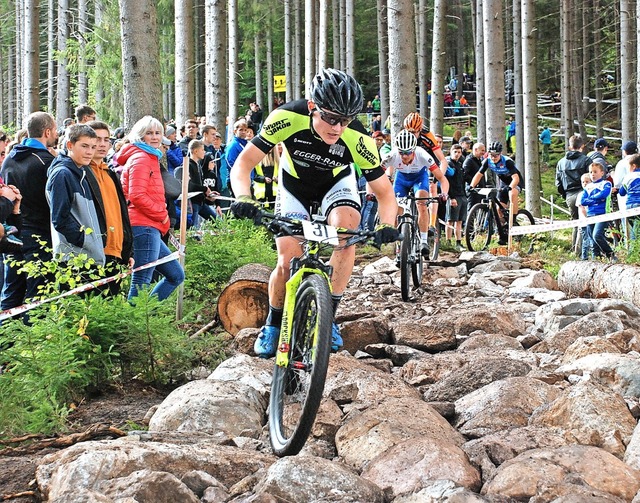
(630, 188)
(594, 197)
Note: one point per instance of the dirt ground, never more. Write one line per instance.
(118, 407)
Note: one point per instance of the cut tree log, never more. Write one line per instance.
(244, 302)
(599, 280)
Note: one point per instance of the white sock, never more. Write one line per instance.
(424, 236)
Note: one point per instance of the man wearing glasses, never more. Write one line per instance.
(510, 177)
(322, 141)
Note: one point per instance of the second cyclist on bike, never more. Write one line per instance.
(410, 167)
(511, 181)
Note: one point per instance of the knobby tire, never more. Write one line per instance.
(405, 253)
(479, 227)
(525, 241)
(296, 393)
(416, 258)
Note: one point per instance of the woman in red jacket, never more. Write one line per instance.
(144, 192)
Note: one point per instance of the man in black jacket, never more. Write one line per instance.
(26, 168)
(568, 172)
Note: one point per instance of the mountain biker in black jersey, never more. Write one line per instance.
(322, 141)
(511, 181)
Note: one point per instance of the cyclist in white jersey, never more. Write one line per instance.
(410, 167)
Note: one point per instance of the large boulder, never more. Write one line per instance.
(533, 472)
(416, 463)
(619, 372)
(350, 381)
(489, 452)
(500, 405)
(98, 465)
(591, 414)
(224, 409)
(365, 435)
(359, 333)
(430, 334)
(306, 478)
(477, 373)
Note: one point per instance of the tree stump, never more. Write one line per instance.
(599, 280)
(244, 302)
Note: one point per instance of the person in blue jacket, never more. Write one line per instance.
(630, 187)
(594, 198)
(545, 139)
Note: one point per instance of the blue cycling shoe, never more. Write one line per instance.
(336, 338)
(267, 341)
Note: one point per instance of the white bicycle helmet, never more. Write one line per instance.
(406, 140)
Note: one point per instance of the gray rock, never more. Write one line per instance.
(502, 404)
(365, 435)
(533, 472)
(431, 334)
(491, 451)
(484, 341)
(415, 463)
(474, 375)
(87, 465)
(306, 479)
(226, 409)
(590, 414)
(536, 279)
(620, 372)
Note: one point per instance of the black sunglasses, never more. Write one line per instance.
(333, 119)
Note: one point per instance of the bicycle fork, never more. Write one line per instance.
(291, 287)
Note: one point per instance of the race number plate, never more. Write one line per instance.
(315, 231)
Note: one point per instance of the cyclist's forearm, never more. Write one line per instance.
(241, 172)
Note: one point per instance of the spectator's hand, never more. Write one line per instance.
(385, 233)
(443, 197)
(614, 191)
(245, 207)
(454, 203)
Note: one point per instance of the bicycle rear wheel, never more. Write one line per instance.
(416, 258)
(479, 227)
(296, 390)
(405, 255)
(525, 241)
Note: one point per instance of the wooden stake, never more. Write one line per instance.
(183, 229)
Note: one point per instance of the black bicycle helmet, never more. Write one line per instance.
(336, 92)
(495, 147)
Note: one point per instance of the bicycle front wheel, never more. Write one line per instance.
(416, 258)
(405, 259)
(525, 241)
(296, 390)
(479, 227)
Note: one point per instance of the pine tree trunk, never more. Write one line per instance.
(288, 46)
(597, 68)
(401, 61)
(566, 34)
(517, 84)
(199, 86)
(216, 69)
(309, 44)
(343, 34)
(140, 60)
(494, 70)
(83, 20)
(423, 69)
(627, 67)
(350, 37)
(11, 91)
(63, 102)
(184, 59)
(31, 54)
(530, 108)
(459, 47)
(98, 19)
(232, 24)
(19, 9)
(383, 58)
(258, 69)
(270, 93)
(576, 74)
(438, 66)
(335, 21)
(479, 96)
(297, 51)
(323, 34)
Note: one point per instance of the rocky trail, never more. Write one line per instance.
(490, 385)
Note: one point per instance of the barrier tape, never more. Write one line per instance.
(570, 224)
(9, 313)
